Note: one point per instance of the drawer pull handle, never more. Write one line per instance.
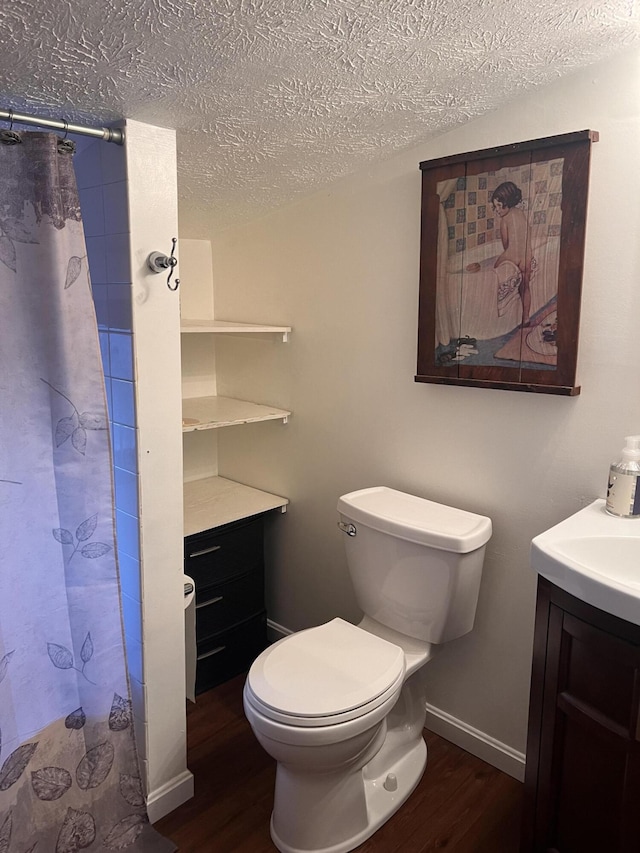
(207, 603)
(212, 653)
(205, 551)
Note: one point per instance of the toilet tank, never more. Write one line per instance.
(415, 564)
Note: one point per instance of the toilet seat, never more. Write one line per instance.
(324, 676)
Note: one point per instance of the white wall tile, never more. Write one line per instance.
(121, 355)
(113, 162)
(101, 303)
(92, 207)
(122, 401)
(132, 617)
(104, 351)
(130, 576)
(96, 254)
(124, 448)
(127, 534)
(105, 211)
(119, 299)
(126, 485)
(134, 658)
(138, 696)
(107, 388)
(117, 253)
(116, 216)
(87, 165)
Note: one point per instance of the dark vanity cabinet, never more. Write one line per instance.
(227, 566)
(582, 781)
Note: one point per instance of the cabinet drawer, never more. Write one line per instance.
(230, 653)
(225, 552)
(222, 606)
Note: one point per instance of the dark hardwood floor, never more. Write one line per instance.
(462, 804)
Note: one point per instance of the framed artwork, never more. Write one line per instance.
(501, 257)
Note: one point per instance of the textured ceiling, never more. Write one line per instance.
(275, 98)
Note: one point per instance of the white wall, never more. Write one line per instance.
(200, 447)
(153, 216)
(342, 268)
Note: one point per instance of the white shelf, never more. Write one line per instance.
(215, 412)
(227, 327)
(214, 501)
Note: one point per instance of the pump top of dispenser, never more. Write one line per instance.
(631, 451)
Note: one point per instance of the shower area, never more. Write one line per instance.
(128, 201)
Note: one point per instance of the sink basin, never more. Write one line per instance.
(595, 557)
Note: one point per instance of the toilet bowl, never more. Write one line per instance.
(325, 723)
(341, 707)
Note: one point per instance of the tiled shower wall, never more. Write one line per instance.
(102, 183)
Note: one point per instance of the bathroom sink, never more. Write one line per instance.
(595, 557)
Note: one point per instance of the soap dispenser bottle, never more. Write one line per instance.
(623, 488)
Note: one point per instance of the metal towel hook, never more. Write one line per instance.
(158, 262)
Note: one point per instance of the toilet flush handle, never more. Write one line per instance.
(349, 529)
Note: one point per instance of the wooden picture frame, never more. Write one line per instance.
(501, 257)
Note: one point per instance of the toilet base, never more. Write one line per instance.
(381, 803)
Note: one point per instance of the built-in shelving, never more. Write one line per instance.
(217, 327)
(214, 412)
(214, 501)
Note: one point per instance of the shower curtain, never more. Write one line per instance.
(69, 777)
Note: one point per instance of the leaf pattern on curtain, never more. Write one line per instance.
(69, 776)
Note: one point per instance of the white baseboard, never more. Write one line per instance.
(180, 789)
(478, 743)
(169, 796)
(276, 632)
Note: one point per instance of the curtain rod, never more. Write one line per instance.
(108, 134)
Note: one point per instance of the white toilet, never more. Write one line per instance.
(342, 707)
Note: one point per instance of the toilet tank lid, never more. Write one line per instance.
(416, 519)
